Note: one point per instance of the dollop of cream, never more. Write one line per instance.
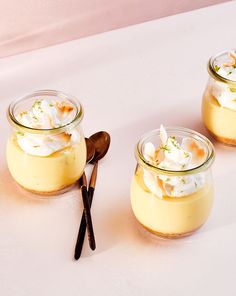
(173, 156)
(47, 114)
(225, 95)
(225, 66)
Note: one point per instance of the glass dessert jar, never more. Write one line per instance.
(219, 98)
(46, 150)
(172, 190)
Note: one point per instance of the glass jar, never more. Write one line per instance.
(219, 98)
(169, 215)
(46, 160)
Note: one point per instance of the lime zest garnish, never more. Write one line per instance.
(165, 148)
(232, 89)
(183, 180)
(186, 154)
(174, 142)
(216, 68)
(37, 105)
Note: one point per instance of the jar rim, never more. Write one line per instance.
(191, 133)
(212, 71)
(77, 118)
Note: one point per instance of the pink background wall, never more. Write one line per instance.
(31, 24)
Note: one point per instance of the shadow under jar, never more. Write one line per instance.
(46, 150)
(219, 98)
(173, 203)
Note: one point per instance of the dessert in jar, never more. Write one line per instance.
(172, 190)
(219, 98)
(46, 151)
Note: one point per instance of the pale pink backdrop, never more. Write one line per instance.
(31, 24)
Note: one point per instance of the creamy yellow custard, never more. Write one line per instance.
(46, 174)
(170, 216)
(218, 120)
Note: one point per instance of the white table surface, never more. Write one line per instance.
(130, 81)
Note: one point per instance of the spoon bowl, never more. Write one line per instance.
(101, 142)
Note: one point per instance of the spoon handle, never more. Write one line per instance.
(87, 214)
(93, 179)
(82, 227)
(81, 233)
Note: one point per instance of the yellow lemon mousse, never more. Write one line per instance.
(46, 174)
(170, 216)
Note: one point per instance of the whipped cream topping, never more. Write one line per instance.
(225, 94)
(47, 114)
(225, 66)
(176, 157)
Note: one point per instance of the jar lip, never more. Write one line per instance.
(77, 118)
(193, 134)
(213, 73)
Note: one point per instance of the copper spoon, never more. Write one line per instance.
(83, 182)
(101, 141)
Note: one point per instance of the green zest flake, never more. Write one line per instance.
(165, 148)
(20, 134)
(183, 181)
(37, 105)
(232, 89)
(230, 72)
(23, 113)
(186, 154)
(51, 105)
(216, 68)
(175, 143)
(168, 179)
(35, 118)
